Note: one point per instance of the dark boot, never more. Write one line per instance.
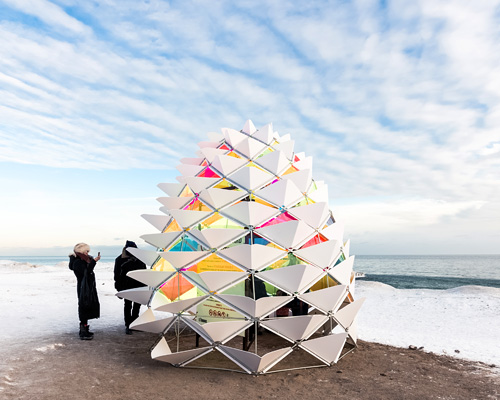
(84, 332)
(128, 331)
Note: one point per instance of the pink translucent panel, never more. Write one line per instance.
(279, 219)
(208, 173)
(315, 240)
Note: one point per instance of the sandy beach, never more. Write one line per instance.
(41, 356)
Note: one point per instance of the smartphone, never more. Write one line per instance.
(98, 254)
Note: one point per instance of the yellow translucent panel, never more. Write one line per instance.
(324, 283)
(162, 265)
(266, 151)
(279, 264)
(197, 205)
(304, 202)
(233, 154)
(186, 192)
(222, 223)
(173, 226)
(260, 201)
(223, 184)
(210, 221)
(290, 170)
(215, 263)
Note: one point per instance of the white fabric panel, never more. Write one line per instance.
(320, 194)
(218, 198)
(345, 316)
(252, 363)
(228, 164)
(323, 254)
(214, 238)
(342, 272)
(275, 162)
(281, 193)
(346, 248)
(210, 154)
(172, 203)
(255, 308)
(296, 328)
(249, 127)
(158, 221)
(252, 257)
(161, 240)
(181, 305)
(160, 349)
(222, 331)
(327, 348)
(326, 300)
(250, 178)
(137, 295)
(289, 234)
(242, 304)
(286, 147)
(353, 331)
(265, 134)
(302, 179)
(190, 170)
(314, 215)
(250, 147)
(150, 277)
(233, 137)
(250, 213)
(215, 281)
(191, 160)
(215, 137)
(334, 232)
(158, 300)
(293, 279)
(304, 163)
(148, 323)
(182, 357)
(204, 145)
(188, 218)
(172, 189)
(197, 184)
(183, 259)
(148, 257)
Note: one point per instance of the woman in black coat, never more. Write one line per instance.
(125, 263)
(82, 264)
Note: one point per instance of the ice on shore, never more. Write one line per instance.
(41, 301)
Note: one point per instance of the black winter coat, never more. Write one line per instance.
(123, 264)
(88, 301)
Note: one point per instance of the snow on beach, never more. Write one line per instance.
(41, 301)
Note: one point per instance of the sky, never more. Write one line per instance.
(398, 103)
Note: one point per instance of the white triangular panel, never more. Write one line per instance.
(252, 363)
(275, 162)
(327, 348)
(320, 194)
(283, 193)
(302, 179)
(346, 315)
(188, 218)
(265, 134)
(190, 170)
(346, 248)
(334, 232)
(222, 331)
(191, 160)
(172, 189)
(250, 178)
(252, 257)
(255, 308)
(150, 277)
(217, 238)
(137, 295)
(215, 137)
(183, 259)
(148, 323)
(233, 137)
(289, 234)
(181, 305)
(322, 255)
(172, 203)
(326, 300)
(250, 213)
(314, 215)
(286, 147)
(228, 164)
(161, 240)
(293, 279)
(148, 257)
(218, 198)
(249, 127)
(158, 221)
(296, 328)
(210, 154)
(342, 272)
(204, 145)
(353, 331)
(197, 184)
(250, 147)
(180, 358)
(305, 163)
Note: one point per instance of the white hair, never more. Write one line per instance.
(81, 248)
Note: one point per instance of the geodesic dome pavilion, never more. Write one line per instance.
(248, 253)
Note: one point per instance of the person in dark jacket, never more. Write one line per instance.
(125, 263)
(82, 264)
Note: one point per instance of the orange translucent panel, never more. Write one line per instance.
(204, 163)
(173, 226)
(215, 263)
(186, 192)
(260, 201)
(176, 287)
(197, 205)
(290, 170)
(210, 220)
